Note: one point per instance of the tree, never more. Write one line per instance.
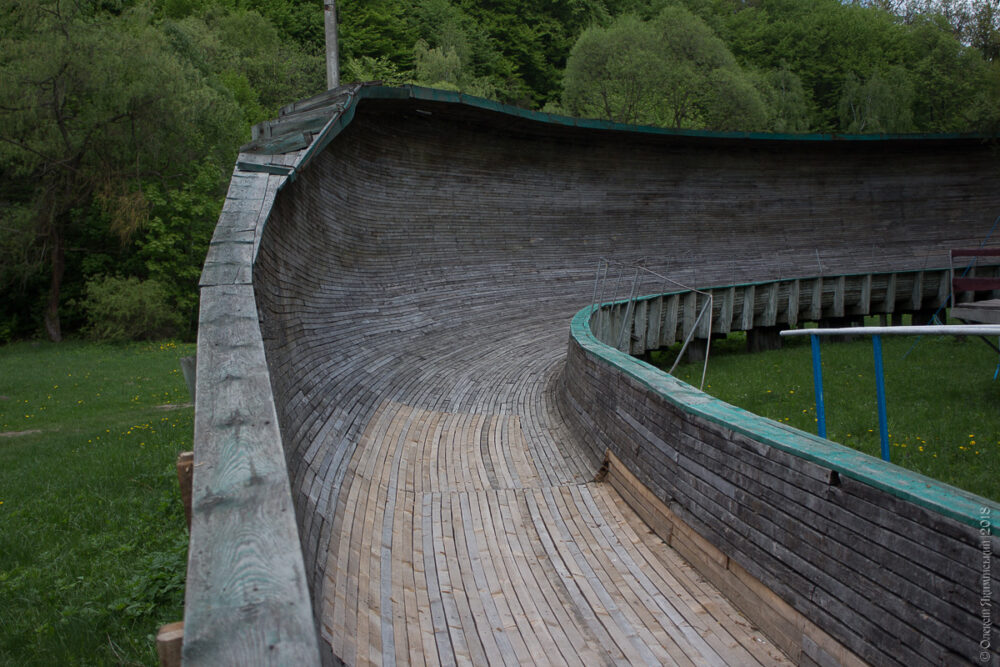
(91, 106)
(882, 103)
(672, 71)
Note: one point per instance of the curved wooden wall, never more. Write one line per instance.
(433, 254)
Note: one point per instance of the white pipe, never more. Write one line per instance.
(939, 329)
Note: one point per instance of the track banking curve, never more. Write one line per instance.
(415, 278)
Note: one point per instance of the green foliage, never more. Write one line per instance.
(787, 101)
(672, 71)
(366, 68)
(883, 103)
(92, 534)
(90, 106)
(439, 66)
(105, 106)
(123, 309)
(833, 47)
(173, 243)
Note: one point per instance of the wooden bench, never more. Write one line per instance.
(985, 311)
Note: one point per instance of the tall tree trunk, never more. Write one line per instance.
(52, 326)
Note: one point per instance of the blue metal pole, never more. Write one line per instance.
(818, 387)
(883, 422)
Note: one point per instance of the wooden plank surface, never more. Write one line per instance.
(424, 263)
(463, 556)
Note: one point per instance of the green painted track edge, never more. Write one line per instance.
(414, 92)
(931, 494)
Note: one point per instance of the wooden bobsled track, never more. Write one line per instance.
(410, 447)
(454, 546)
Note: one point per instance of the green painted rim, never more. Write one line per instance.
(414, 92)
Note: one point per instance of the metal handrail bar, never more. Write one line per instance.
(908, 330)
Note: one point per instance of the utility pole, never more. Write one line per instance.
(332, 50)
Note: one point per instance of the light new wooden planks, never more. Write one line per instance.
(459, 561)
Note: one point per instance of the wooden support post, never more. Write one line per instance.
(185, 471)
(189, 367)
(792, 318)
(746, 316)
(696, 350)
(760, 339)
(917, 295)
(169, 640)
(840, 288)
(668, 335)
(770, 315)
(724, 322)
(815, 311)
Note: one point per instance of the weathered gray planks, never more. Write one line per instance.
(246, 590)
(431, 256)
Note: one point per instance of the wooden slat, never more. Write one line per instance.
(917, 296)
(839, 295)
(724, 322)
(669, 335)
(655, 323)
(792, 316)
(763, 606)
(889, 303)
(746, 315)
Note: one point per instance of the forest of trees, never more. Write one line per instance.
(120, 119)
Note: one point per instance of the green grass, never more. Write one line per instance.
(92, 537)
(942, 402)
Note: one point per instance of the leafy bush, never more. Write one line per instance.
(121, 309)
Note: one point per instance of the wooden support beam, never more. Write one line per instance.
(815, 311)
(655, 323)
(840, 287)
(770, 315)
(917, 295)
(189, 369)
(792, 318)
(746, 316)
(863, 305)
(889, 305)
(669, 333)
(640, 322)
(690, 312)
(726, 298)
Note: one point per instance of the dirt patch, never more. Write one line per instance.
(14, 434)
(174, 406)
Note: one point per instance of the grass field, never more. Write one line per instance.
(92, 537)
(943, 404)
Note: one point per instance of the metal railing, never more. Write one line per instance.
(876, 334)
(643, 281)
